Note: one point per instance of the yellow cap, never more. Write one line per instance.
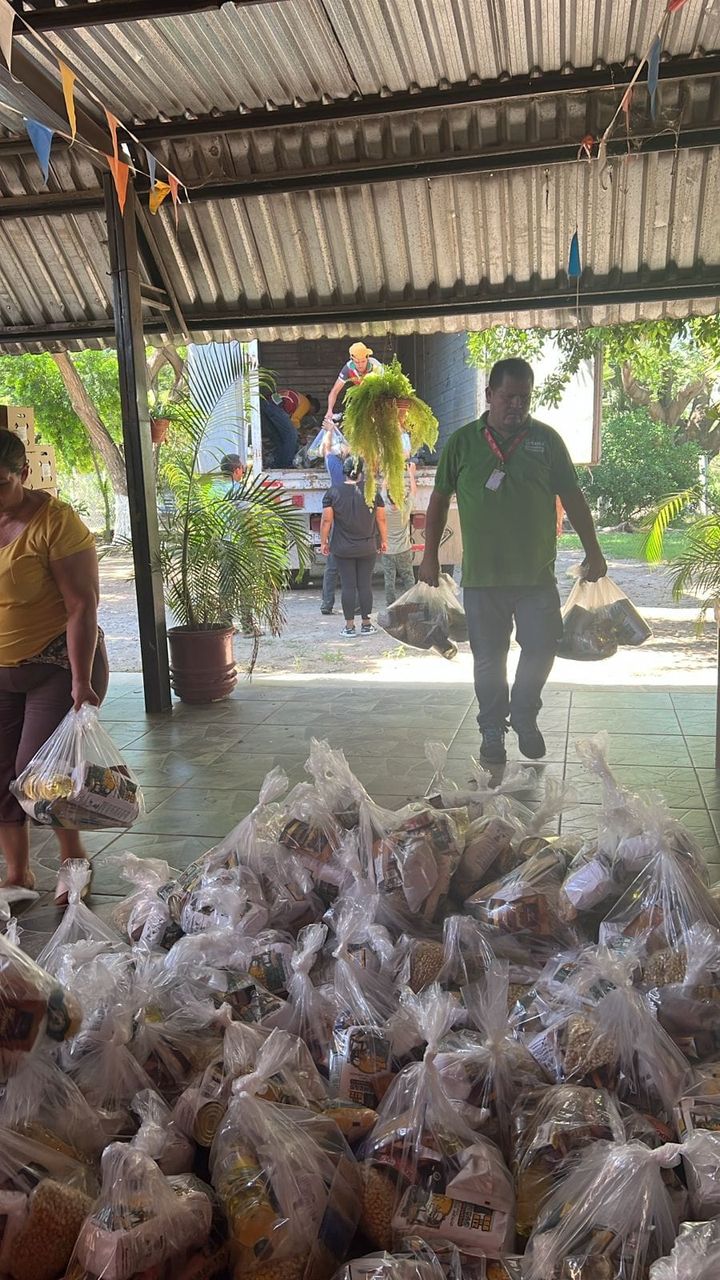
(359, 351)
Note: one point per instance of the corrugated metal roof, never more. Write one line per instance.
(437, 241)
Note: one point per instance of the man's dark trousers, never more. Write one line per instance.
(491, 612)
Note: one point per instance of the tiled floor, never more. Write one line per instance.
(201, 768)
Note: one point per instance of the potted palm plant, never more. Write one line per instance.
(224, 556)
(377, 412)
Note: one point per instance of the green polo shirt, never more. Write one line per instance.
(509, 534)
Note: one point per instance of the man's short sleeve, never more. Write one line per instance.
(446, 474)
(328, 497)
(564, 475)
(345, 373)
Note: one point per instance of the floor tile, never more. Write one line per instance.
(702, 751)
(678, 785)
(629, 699)
(617, 720)
(178, 851)
(628, 748)
(697, 723)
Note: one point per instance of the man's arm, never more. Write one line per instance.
(578, 513)
(335, 390)
(381, 522)
(435, 522)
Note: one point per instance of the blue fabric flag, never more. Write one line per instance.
(653, 73)
(152, 167)
(41, 138)
(574, 264)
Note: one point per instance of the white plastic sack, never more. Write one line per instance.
(428, 617)
(597, 618)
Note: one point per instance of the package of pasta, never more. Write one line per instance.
(549, 1124)
(34, 1008)
(78, 778)
(695, 1254)
(158, 1136)
(484, 1065)
(43, 1102)
(45, 1195)
(145, 915)
(683, 985)
(286, 1178)
(450, 1183)
(612, 1207)
(462, 957)
(525, 904)
(660, 907)
(141, 1220)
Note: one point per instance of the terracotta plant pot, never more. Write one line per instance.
(202, 664)
(159, 430)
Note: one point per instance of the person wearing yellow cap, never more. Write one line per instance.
(361, 363)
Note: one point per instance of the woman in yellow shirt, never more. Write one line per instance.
(51, 655)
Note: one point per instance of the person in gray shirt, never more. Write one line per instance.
(353, 532)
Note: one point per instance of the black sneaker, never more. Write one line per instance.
(531, 742)
(325, 611)
(492, 745)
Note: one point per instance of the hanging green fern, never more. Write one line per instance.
(373, 423)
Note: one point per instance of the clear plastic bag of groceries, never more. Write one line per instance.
(158, 1136)
(339, 789)
(140, 1220)
(145, 915)
(309, 1011)
(525, 904)
(35, 1008)
(78, 778)
(173, 1048)
(414, 854)
(597, 619)
(286, 1178)
(314, 836)
(660, 907)
(484, 1064)
(79, 925)
(480, 788)
(413, 1260)
(462, 957)
(45, 1104)
(425, 1164)
(683, 985)
(611, 1215)
(338, 443)
(695, 1254)
(100, 1062)
(428, 617)
(45, 1197)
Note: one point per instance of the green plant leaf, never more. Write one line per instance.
(659, 522)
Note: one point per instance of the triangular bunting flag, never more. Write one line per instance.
(674, 5)
(175, 192)
(627, 100)
(574, 264)
(152, 166)
(159, 192)
(120, 172)
(68, 78)
(7, 22)
(113, 124)
(41, 138)
(653, 73)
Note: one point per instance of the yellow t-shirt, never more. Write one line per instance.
(32, 610)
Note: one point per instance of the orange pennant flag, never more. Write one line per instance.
(174, 189)
(120, 172)
(113, 124)
(68, 78)
(159, 192)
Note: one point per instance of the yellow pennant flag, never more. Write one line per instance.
(120, 172)
(68, 78)
(159, 192)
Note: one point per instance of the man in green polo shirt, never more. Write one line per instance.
(507, 469)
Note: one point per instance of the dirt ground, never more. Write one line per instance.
(311, 644)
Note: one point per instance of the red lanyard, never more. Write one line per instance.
(495, 447)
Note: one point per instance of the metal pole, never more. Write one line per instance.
(132, 372)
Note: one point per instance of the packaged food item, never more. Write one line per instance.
(487, 841)
(683, 985)
(597, 618)
(34, 1008)
(158, 1136)
(428, 617)
(462, 957)
(45, 1196)
(414, 1260)
(660, 907)
(106, 1073)
(45, 1104)
(78, 778)
(309, 1012)
(145, 916)
(550, 1123)
(525, 902)
(140, 1220)
(694, 1256)
(613, 1205)
(449, 1182)
(314, 836)
(697, 1119)
(79, 925)
(174, 1048)
(414, 853)
(286, 1178)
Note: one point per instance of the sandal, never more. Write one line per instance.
(66, 881)
(28, 884)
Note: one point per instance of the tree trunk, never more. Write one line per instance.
(669, 414)
(93, 423)
(103, 487)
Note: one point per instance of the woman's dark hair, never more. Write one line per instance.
(12, 452)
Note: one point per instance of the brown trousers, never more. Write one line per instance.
(33, 700)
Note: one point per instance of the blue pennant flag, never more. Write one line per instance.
(41, 138)
(574, 264)
(152, 167)
(653, 73)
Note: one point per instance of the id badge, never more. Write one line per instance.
(495, 479)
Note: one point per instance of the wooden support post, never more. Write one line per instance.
(132, 371)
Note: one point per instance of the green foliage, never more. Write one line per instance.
(698, 568)
(35, 380)
(668, 512)
(373, 426)
(641, 461)
(224, 554)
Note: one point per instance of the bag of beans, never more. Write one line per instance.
(597, 618)
(34, 1007)
(694, 1256)
(460, 959)
(286, 1178)
(612, 1207)
(140, 1220)
(45, 1196)
(446, 1181)
(683, 985)
(158, 1136)
(428, 618)
(78, 778)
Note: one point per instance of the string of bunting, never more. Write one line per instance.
(41, 136)
(586, 148)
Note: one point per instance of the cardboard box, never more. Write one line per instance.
(43, 472)
(21, 421)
